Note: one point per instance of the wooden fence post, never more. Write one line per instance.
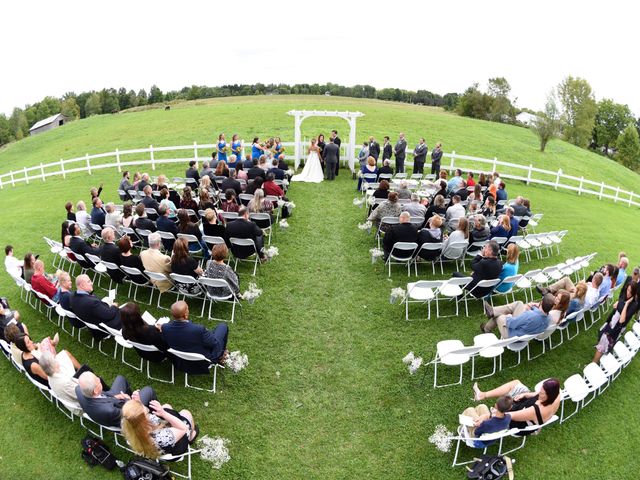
(118, 161)
(529, 174)
(88, 163)
(153, 160)
(64, 175)
(26, 176)
(42, 171)
(580, 187)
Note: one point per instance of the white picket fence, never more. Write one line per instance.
(147, 157)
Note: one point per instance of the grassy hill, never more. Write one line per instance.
(325, 394)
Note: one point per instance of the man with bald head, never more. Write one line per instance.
(90, 309)
(105, 406)
(148, 201)
(186, 336)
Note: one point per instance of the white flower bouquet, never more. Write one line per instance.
(375, 254)
(397, 294)
(412, 362)
(271, 252)
(358, 202)
(251, 294)
(284, 224)
(236, 361)
(214, 450)
(290, 205)
(365, 226)
(441, 438)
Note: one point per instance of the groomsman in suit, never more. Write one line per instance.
(419, 156)
(387, 149)
(374, 148)
(331, 156)
(336, 140)
(399, 151)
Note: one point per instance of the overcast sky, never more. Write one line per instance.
(49, 48)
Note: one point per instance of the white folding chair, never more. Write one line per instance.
(491, 347)
(595, 378)
(422, 291)
(429, 247)
(576, 390)
(402, 253)
(227, 296)
(124, 345)
(453, 289)
(245, 243)
(151, 349)
(197, 358)
(452, 353)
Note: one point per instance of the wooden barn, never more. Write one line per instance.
(49, 123)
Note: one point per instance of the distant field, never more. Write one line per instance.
(325, 395)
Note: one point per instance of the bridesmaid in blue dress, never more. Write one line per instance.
(256, 149)
(236, 148)
(222, 148)
(278, 149)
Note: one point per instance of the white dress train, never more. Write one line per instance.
(312, 171)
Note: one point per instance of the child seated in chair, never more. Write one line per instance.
(488, 421)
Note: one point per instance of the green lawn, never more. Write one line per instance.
(325, 394)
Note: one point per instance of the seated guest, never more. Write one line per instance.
(608, 279)
(41, 284)
(221, 169)
(390, 208)
(64, 299)
(386, 168)
(436, 208)
(105, 406)
(509, 268)
(231, 183)
(148, 200)
(517, 319)
(79, 246)
(171, 207)
(485, 266)
(470, 181)
(90, 309)
(625, 309)
(482, 180)
(455, 182)
(486, 421)
(216, 268)
(430, 234)
(514, 222)
(31, 363)
(65, 234)
(183, 335)
(204, 199)
(503, 229)
(125, 186)
(462, 192)
(127, 215)
(368, 167)
(187, 227)
(259, 204)
(210, 224)
(70, 215)
(403, 232)
(529, 408)
(404, 192)
(255, 171)
(206, 183)
(157, 429)
(271, 188)
(9, 317)
(623, 263)
(559, 310)
(229, 204)
(248, 161)
(240, 172)
(242, 227)
(492, 191)
(480, 232)
(454, 213)
(576, 302)
(519, 209)
(109, 252)
(381, 192)
(60, 370)
(13, 266)
(142, 221)
(442, 187)
(460, 234)
(143, 182)
(28, 266)
(192, 171)
(476, 196)
(415, 208)
(634, 277)
(127, 259)
(501, 193)
(206, 171)
(187, 202)
(282, 164)
(489, 207)
(184, 264)
(277, 172)
(135, 329)
(233, 162)
(254, 185)
(98, 215)
(113, 217)
(155, 261)
(82, 216)
(593, 288)
(165, 224)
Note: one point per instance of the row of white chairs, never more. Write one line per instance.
(453, 289)
(71, 412)
(581, 389)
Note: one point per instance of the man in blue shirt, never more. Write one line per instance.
(623, 263)
(517, 319)
(98, 215)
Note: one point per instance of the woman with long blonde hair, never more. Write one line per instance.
(259, 204)
(161, 431)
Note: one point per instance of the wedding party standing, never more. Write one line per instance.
(400, 153)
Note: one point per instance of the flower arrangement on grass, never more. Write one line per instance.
(214, 450)
(412, 362)
(376, 253)
(236, 361)
(251, 293)
(397, 295)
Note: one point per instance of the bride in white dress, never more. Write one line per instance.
(312, 171)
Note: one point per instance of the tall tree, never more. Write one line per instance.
(547, 124)
(5, 130)
(70, 109)
(579, 110)
(93, 106)
(18, 124)
(155, 95)
(629, 148)
(611, 119)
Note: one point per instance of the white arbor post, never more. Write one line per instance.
(301, 115)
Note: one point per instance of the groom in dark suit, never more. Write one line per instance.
(335, 139)
(331, 156)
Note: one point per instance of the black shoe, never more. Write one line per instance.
(488, 310)
(541, 290)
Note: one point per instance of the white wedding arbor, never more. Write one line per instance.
(350, 117)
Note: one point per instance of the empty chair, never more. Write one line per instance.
(576, 390)
(595, 378)
(452, 353)
(422, 291)
(223, 294)
(453, 289)
(491, 347)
